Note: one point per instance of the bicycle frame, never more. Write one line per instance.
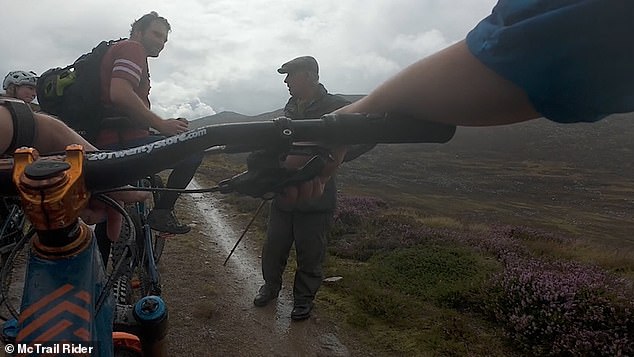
(62, 282)
(64, 307)
(60, 298)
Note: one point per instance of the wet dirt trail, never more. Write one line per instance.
(211, 305)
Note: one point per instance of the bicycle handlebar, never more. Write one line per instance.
(116, 168)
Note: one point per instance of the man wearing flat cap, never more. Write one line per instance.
(306, 223)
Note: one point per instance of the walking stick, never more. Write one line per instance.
(257, 211)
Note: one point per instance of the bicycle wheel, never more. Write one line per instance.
(122, 291)
(125, 259)
(137, 277)
(134, 280)
(11, 229)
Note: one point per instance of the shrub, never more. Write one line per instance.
(377, 234)
(564, 308)
(447, 275)
(353, 210)
(547, 306)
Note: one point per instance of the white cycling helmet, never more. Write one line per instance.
(19, 78)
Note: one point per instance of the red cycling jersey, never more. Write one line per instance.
(126, 60)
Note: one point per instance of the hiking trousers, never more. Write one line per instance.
(308, 231)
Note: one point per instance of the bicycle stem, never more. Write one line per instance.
(53, 194)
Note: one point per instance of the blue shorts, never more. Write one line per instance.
(574, 58)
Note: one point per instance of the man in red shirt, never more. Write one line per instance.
(125, 83)
(128, 120)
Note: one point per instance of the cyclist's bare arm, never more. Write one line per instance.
(50, 134)
(451, 86)
(122, 96)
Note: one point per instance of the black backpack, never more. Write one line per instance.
(73, 93)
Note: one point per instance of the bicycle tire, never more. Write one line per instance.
(122, 286)
(12, 222)
(122, 290)
(119, 246)
(134, 266)
(140, 266)
(138, 290)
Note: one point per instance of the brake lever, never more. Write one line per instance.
(262, 180)
(310, 150)
(310, 170)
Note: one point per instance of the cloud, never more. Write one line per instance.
(223, 55)
(425, 42)
(192, 110)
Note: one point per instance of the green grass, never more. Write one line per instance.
(416, 301)
(618, 261)
(441, 222)
(432, 272)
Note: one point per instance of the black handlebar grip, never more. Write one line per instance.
(386, 129)
(351, 129)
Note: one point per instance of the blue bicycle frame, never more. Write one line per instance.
(67, 305)
(60, 302)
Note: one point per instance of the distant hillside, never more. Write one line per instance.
(570, 178)
(605, 144)
(602, 147)
(233, 117)
(583, 145)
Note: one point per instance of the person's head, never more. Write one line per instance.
(151, 31)
(302, 76)
(20, 85)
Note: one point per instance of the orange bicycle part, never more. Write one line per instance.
(127, 342)
(57, 201)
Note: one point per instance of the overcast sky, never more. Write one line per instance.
(223, 54)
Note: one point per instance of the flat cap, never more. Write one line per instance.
(304, 63)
